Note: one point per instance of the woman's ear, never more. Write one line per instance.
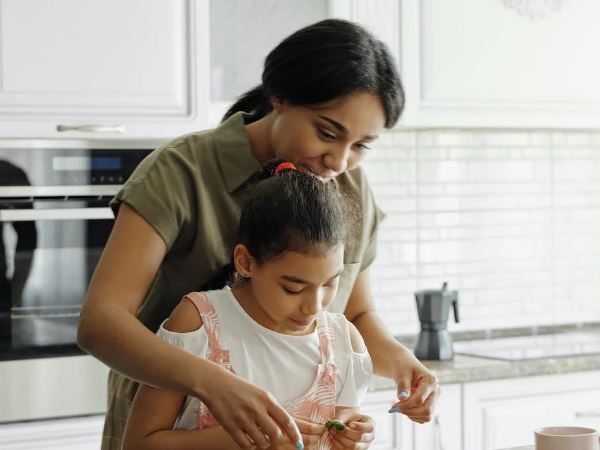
(243, 261)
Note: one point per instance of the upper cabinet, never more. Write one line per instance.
(500, 63)
(109, 68)
(242, 33)
(160, 68)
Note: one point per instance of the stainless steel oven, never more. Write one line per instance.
(54, 223)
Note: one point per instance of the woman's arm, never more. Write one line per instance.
(109, 330)
(390, 358)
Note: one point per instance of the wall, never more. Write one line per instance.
(510, 219)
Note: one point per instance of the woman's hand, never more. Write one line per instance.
(249, 414)
(418, 391)
(359, 431)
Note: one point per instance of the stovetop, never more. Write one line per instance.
(532, 347)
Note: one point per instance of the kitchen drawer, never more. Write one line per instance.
(504, 413)
(81, 433)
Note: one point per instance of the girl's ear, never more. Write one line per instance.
(277, 103)
(243, 261)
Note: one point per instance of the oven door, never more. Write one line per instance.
(48, 252)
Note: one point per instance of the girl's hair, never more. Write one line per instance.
(289, 211)
(323, 61)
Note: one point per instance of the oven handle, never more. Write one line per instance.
(23, 215)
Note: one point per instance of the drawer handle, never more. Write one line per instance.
(439, 443)
(587, 413)
(92, 128)
(29, 215)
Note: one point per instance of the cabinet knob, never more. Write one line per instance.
(92, 128)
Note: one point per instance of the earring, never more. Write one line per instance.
(242, 277)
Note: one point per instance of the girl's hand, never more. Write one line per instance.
(359, 431)
(311, 433)
(249, 414)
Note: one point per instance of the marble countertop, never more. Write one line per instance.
(464, 369)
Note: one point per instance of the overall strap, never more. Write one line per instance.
(325, 331)
(209, 318)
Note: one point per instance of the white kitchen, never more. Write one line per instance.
(487, 261)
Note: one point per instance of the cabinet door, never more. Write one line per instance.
(243, 33)
(82, 433)
(241, 36)
(505, 413)
(393, 431)
(496, 63)
(110, 67)
(444, 432)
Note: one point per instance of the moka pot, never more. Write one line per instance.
(433, 306)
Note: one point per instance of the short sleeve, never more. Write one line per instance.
(370, 252)
(194, 342)
(160, 191)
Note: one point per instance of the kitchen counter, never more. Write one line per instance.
(465, 368)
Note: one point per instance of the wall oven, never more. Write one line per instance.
(54, 223)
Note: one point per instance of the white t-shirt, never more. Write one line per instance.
(284, 365)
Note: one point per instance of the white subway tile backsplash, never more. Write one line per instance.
(510, 219)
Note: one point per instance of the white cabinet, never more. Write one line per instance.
(392, 431)
(243, 33)
(444, 431)
(160, 68)
(113, 68)
(81, 433)
(470, 63)
(504, 413)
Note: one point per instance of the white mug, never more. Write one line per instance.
(566, 438)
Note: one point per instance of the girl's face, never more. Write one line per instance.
(286, 293)
(329, 138)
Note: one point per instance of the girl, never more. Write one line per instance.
(271, 327)
(327, 91)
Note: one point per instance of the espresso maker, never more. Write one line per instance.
(433, 306)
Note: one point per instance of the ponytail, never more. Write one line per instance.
(255, 101)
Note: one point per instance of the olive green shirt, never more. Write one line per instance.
(190, 191)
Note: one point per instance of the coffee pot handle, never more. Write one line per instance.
(455, 307)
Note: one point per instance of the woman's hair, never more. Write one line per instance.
(289, 211)
(323, 61)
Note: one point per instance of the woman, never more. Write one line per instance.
(327, 91)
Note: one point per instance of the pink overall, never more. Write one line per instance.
(318, 404)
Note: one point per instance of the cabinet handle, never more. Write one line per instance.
(92, 128)
(28, 215)
(439, 444)
(587, 413)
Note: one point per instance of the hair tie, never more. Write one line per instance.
(284, 166)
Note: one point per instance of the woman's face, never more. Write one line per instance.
(329, 138)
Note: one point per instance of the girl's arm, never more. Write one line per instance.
(154, 411)
(390, 358)
(151, 420)
(109, 330)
